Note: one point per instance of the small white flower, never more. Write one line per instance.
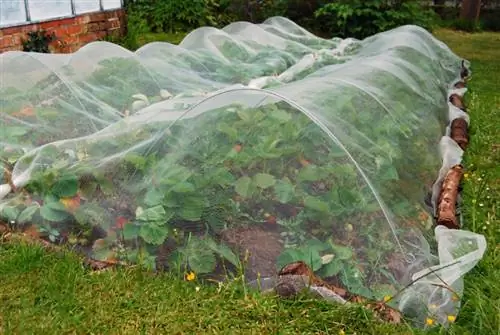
(481, 204)
(197, 288)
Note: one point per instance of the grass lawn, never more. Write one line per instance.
(51, 293)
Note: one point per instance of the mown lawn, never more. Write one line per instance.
(51, 293)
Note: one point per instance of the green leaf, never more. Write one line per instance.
(155, 214)
(311, 173)
(231, 132)
(10, 213)
(284, 191)
(192, 208)
(66, 186)
(93, 215)
(224, 251)
(242, 186)
(264, 180)
(27, 214)
(130, 231)
(153, 197)
(389, 173)
(280, 115)
(342, 252)
(332, 269)
(309, 256)
(316, 204)
(54, 211)
(223, 177)
(183, 187)
(202, 261)
(138, 161)
(153, 233)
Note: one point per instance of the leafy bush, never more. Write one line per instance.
(362, 18)
(38, 41)
(168, 16)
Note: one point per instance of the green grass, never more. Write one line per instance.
(51, 293)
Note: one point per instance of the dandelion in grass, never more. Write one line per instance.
(190, 276)
(451, 318)
(429, 321)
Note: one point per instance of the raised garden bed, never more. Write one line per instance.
(312, 150)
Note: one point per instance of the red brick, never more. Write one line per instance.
(97, 17)
(61, 31)
(93, 27)
(70, 40)
(12, 30)
(6, 42)
(17, 39)
(87, 38)
(50, 24)
(104, 25)
(65, 22)
(75, 29)
(83, 19)
(101, 34)
(115, 24)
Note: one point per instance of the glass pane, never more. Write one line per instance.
(11, 12)
(85, 6)
(111, 4)
(43, 9)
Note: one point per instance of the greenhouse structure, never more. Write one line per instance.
(246, 150)
(17, 12)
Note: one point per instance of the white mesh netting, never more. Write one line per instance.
(261, 143)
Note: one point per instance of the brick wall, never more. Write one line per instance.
(71, 33)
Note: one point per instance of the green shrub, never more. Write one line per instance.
(362, 18)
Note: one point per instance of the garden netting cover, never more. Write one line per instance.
(248, 147)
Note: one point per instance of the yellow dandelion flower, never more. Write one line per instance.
(429, 321)
(341, 332)
(190, 276)
(451, 318)
(387, 298)
(466, 175)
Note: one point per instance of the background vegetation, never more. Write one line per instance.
(170, 19)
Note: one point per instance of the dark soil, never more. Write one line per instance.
(263, 244)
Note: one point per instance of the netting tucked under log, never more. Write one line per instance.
(246, 149)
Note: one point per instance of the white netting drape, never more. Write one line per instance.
(258, 140)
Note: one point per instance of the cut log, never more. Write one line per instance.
(448, 198)
(464, 72)
(456, 101)
(459, 132)
(295, 277)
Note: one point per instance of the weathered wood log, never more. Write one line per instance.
(446, 213)
(459, 132)
(464, 73)
(456, 101)
(301, 269)
(294, 278)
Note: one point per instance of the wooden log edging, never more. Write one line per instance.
(446, 207)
